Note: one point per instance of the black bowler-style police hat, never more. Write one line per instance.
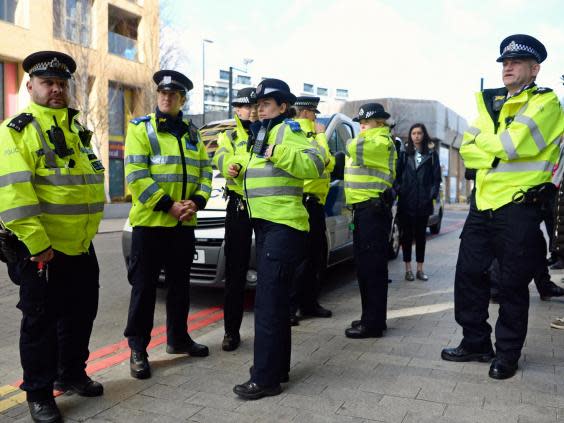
(49, 64)
(244, 97)
(308, 102)
(371, 111)
(521, 45)
(275, 88)
(170, 80)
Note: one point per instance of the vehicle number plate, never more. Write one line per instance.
(200, 257)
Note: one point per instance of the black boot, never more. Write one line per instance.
(549, 290)
(460, 354)
(251, 391)
(191, 348)
(85, 387)
(45, 411)
(139, 365)
(316, 311)
(230, 342)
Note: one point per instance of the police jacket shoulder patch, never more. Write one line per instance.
(193, 133)
(20, 121)
(294, 126)
(543, 90)
(138, 120)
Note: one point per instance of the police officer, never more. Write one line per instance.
(305, 290)
(169, 175)
(281, 158)
(513, 144)
(231, 148)
(369, 173)
(52, 198)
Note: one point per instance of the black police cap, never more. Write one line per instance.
(308, 102)
(521, 46)
(244, 97)
(49, 64)
(275, 88)
(170, 80)
(371, 111)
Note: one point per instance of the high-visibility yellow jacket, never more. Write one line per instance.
(516, 152)
(47, 200)
(370, 166)
(231, 148)
(159, 164)
(320, 186)
(274, 188)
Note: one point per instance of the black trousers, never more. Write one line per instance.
(58, 312)
(238, 238)
(512, 235)
(280, 249)
(413, 228)
(306, 285)
(370, 239)
(153, 249)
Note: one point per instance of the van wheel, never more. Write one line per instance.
(436, 228)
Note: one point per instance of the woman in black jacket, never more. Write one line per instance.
(417, 183)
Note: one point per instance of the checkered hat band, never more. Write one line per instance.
(244, 100)
(172, 81)
(513, 46)
(305, 104)
(51, 64)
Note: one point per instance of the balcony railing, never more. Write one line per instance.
(122, 46)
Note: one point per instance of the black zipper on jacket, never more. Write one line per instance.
(184, 172)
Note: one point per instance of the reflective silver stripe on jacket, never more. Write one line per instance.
(164, 160)
(473, 131)
(50, 160)
(269, 170)
(320, 149)
(153, 139)
(391, 157)
(221, 150)
(508, 146)
(60, 180)
(313, 154)
(220, 163)
(543, 166)
(20, 212)
(137, 159)
(71, 209)
(204, 188)
(360, 151)
(207, 175)
(533, 127)
(137, 174)
(366, 171)
(149, 191)
(280, 134)
(274, 191)
(230, 182)
(15, 177)
(229, 135)
(365, 185)
(174, 177)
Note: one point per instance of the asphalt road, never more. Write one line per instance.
(114, 297)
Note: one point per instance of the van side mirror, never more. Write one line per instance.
(339, 169)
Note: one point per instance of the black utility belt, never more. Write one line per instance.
(233, 195)
(538, 195)
(373, 202)
(311, 198)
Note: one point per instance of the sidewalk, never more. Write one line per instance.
(399, 378)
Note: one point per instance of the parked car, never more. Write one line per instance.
(208, 268)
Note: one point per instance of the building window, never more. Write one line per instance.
(342, 93)
(8, 10)
(72, 20)
(224, 75)
(244, 80)
(308, 88)
(215, 94)
(122, 33)
(322, 91)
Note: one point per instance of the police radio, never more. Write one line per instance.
(260, 144)
(8, 242)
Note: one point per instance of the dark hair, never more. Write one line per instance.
(410, 147)
(288, 113)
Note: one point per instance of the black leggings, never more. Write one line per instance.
(413, 227)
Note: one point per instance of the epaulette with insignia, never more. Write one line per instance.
(138, 120)
(20, 121)
(543, 90)
(294, 126)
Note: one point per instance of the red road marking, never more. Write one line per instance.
(207, 316)
(448, 229)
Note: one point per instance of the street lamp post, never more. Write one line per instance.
(204, 41)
